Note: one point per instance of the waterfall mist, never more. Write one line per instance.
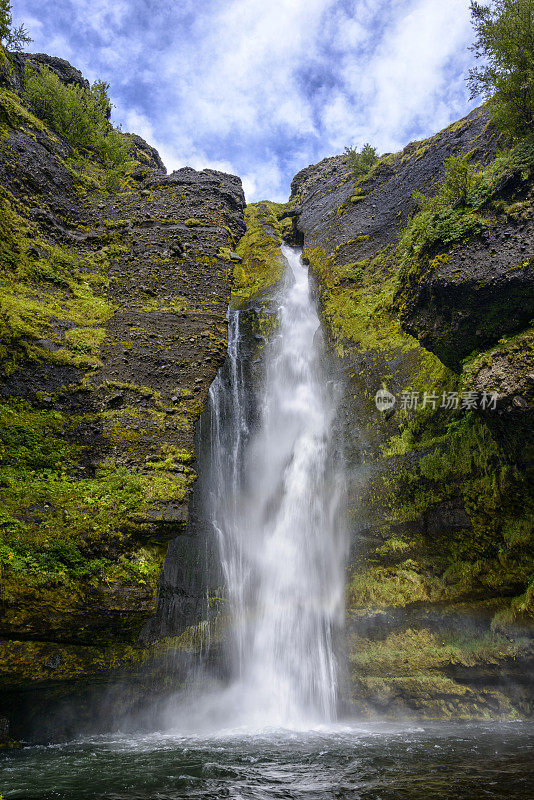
(274, 498)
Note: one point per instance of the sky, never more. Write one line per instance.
(262, 88)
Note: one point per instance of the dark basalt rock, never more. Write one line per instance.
(145, 154)
(434, 501)
(168, 292)
(508, 371)
(478, 293)
(68, 74)
(363, 227)
(33, 168)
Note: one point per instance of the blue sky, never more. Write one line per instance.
(262, 88)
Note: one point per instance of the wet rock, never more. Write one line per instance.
(4, 731)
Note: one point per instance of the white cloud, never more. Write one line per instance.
(261, 88)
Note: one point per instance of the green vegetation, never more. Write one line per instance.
(261, 263)
(357, 299)
(94, 473)
(361, 163)
(70, 291)
(495, 552)
(466, 202)
(10, 37)
(504, 31)
(79, 115)
(57, 523)
(460, 180)
(410, 651)
(425, 460)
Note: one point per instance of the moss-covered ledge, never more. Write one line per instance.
(261, 266)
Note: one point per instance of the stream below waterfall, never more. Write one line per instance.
(273, 492)
(380, 762)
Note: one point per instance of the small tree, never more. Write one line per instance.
(505, 41)
(362, 162)
(11, 38)
(461, 178)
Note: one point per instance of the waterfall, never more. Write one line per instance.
(275, 490)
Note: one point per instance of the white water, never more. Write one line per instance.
(276, 489)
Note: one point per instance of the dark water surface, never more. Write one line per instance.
(368, 762)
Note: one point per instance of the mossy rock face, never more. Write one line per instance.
(74, 690)
(439, 663)
(261, 264)
(441, 512)
(112, 328)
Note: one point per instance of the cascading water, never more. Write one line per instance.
(275, 492)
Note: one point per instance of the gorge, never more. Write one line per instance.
(333, 561)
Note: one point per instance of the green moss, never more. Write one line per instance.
(57, 523)
(13, 114)
(177, 304)
(416, 650)
(357, 301)
(515, 350)
(30, 663)
(467, 202)
(261, 261)
(36, 293)
(490, 554)
(429, 457)
(423, 459)
(520, 610)
(430, 696)
(85, 340)
(170, 456)
(382, 587)
(205, 634)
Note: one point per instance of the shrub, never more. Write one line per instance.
(504, 32)
(463, 205)
(80, 115)
(460, 180)
(362, 162)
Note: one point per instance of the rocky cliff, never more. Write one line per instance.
(431, 303)
(112, 328)
(432, 308)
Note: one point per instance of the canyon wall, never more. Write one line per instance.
(112, 328)
(433, 309)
